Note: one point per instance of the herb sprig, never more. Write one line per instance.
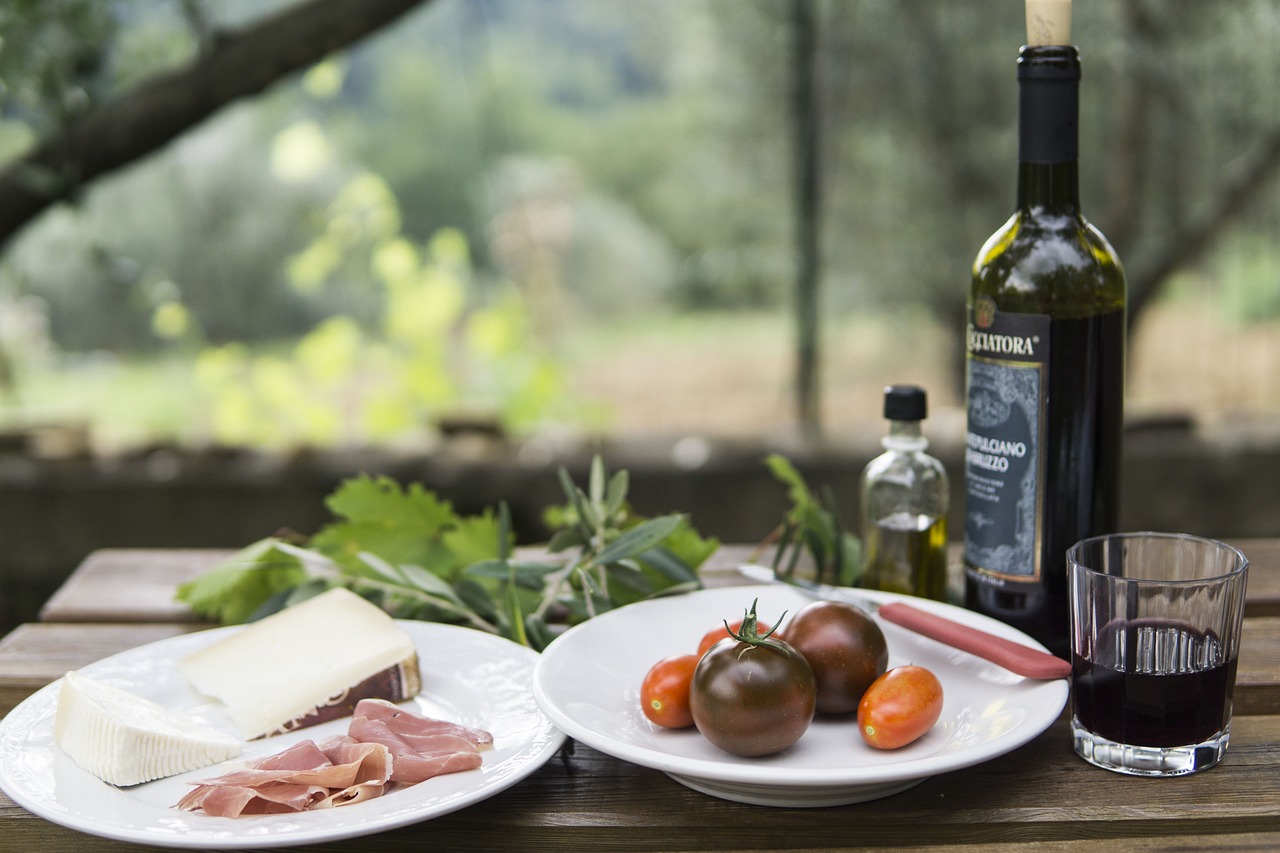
(811, 534)
(408, 551)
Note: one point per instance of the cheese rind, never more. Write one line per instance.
(297, 667)
(125, 739)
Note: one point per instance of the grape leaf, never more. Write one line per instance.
(233, 591)
(399, 525)
(474, 538)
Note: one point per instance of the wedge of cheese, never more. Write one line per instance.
(307, 664)
(125, 739)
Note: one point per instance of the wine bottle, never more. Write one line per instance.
(1045, 366)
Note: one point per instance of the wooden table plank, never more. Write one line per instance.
(137, 585)
(1258, 672)
(35, 654)
(1263, 597)
(129, 585)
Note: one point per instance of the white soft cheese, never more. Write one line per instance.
(125, 739)
(282, 667)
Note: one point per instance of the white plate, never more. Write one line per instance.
(588, 682)
(468, 677)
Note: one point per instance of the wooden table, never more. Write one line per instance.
(1039, 797)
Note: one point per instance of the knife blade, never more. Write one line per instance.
(1015, 657)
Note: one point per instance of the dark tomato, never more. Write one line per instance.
(664, 693)
(715, 635)
(899, 707)
(845, 648)
(752, 699)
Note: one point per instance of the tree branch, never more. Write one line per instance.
(807, 192)
(1239, 189)
(149, 116)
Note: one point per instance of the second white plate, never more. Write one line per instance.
(588, 682)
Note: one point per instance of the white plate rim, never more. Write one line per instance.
(401, 808)
(1050, 698)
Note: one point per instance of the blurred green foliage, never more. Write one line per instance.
(441, 340)
(410, 226)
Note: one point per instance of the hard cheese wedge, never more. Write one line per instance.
(307, 664)
(124, 739)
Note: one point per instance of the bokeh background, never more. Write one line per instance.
(500, 233)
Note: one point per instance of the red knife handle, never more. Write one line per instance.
(1015, 657)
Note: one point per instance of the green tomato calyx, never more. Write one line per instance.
(749, 631)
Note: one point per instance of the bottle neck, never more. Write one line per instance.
(905, 437)
(1053, 186)
(1048, 128)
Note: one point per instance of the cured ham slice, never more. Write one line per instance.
(302, 777)
(422, 747)
(384, 745)
(408, 724)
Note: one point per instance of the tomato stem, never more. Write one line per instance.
(748, 632)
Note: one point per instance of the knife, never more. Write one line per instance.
(1015, 657)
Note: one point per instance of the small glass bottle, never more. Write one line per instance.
(904, 505)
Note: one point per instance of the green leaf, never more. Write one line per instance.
(382, 569)
(289, 597)
(638, 539)
(813, 527)
(566, 485)
(690, 547)
(564, 539)
(515, 616)
(852, 568)
(530, 575)
(233, 590)
(383, 500)
(595, 482)
(478, 597)
(787, 473)
(540, 635)
(588, 519)
(478, 537)
(615, 496)
(668, 565)
(410, 575)
(400, 525)
(629, 577)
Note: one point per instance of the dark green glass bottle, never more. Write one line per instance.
(1045, 372)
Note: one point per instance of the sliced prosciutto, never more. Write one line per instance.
(304, 776)
(411, 725)
(384, 745)
(422, 747)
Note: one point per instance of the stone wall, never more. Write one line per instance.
(53, 512)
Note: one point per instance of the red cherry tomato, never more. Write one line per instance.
(715, 635)
(664, 693)
(899, 707)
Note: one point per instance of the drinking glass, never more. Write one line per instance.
(1155, 634)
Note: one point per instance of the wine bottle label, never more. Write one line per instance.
(1008, 362)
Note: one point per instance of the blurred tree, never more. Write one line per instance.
(1173, 193)
(91, 137)
(662, 133)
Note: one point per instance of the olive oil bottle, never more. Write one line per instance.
(904, 505)
(1045, 365)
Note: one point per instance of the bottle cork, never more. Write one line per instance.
(1048, 22)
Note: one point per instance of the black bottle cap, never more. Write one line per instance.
(905, 403)
(1048, 104)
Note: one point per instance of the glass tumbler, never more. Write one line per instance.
(1155, 635)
